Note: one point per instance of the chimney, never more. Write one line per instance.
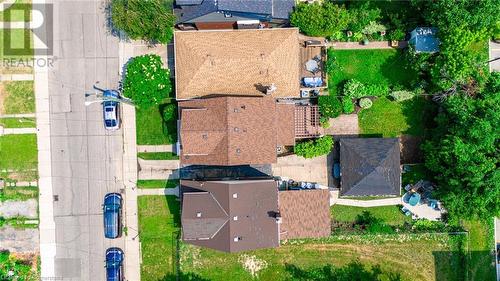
(271, 89)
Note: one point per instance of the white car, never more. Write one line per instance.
(111, 111)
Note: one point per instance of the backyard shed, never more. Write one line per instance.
(370, 167)
(424, 40)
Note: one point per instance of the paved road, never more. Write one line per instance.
(494, 53)
(86, 159)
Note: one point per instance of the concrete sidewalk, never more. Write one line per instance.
(155, 148)
(16, 77)
(159, 191)
(132, 240)
(369, 203)
(17, 131)
(24, 115)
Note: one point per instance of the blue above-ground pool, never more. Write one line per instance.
(414, 199)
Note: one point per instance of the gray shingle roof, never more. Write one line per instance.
(370, 167)
(189, 10)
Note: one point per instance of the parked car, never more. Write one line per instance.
(112, 215)
(498, 253)
(114, 264)
(111, 111)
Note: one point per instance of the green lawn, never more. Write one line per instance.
(18, 152)
(370, 66)
(413, 257)
(157, 156)
(151, 129)
(157, 183)
(159, 221)
(391, 215)
(387, 118)
(19, 193)
(480, 246)
(18, 122)
(18, 97)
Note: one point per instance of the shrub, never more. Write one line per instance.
(402, 95)
(146, 82)
(396, 34)
(314, 148)
(376, 90)
(150, 20)
(354, 89)
(372, 224)
(330, 64)
(329, 106)
(347, 105)
(362, 15)
(365, 103)
(325, 122)
(169, 114)
(373, 27)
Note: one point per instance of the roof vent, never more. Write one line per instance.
(235, 218)
(204, 136)
(238, 150)
(235, 195)
(236, 129)
(198, 214)
(236, 238)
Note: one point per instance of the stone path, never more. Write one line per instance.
(17, 131)
(19, 240)
(155, 148)
(16, 77)
(369, 203)
(159, 191)
(344, 125)
(24, 115)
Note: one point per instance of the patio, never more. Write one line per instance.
(418, 204)
(312, 61)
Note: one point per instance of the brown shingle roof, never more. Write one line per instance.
(233, 130)
(236, 62)
(222, 218)
(305, 213)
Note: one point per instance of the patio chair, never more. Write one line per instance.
(408, 187)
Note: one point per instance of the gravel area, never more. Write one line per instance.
(25, 209)
(19, 240)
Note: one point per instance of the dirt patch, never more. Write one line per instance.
(344, 125)
(252, 264)
(410, 149)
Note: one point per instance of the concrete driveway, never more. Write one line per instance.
(300, 169)
(494, 53)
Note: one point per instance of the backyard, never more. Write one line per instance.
(384, 66)
(412, 256)
(391, 215)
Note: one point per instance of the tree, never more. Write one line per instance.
(319, 19)
(146, 82)
(150, 20)
(314, 148)
(347, 105)
(463, 153)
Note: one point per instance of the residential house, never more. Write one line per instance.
(234, 216)
(370, 167)
(234, 130)
(228, 14)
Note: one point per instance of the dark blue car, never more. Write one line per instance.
(112, 215)
(114, 264)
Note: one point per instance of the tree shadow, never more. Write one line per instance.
(354, 271)
(183, 276)
(397, 70)
(419, 114)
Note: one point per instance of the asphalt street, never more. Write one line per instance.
(86, 159)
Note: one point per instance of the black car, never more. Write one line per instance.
(112, 215)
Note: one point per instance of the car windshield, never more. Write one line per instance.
(109, 123)
(112, 264)
(109, 109)
(112, 207)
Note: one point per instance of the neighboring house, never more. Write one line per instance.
(234, 216)
(370, 167)
(424, 40)
(228, 14)
(234, 130)
(237, 62)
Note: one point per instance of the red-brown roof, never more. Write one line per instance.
(233, 130)
(305, 213)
